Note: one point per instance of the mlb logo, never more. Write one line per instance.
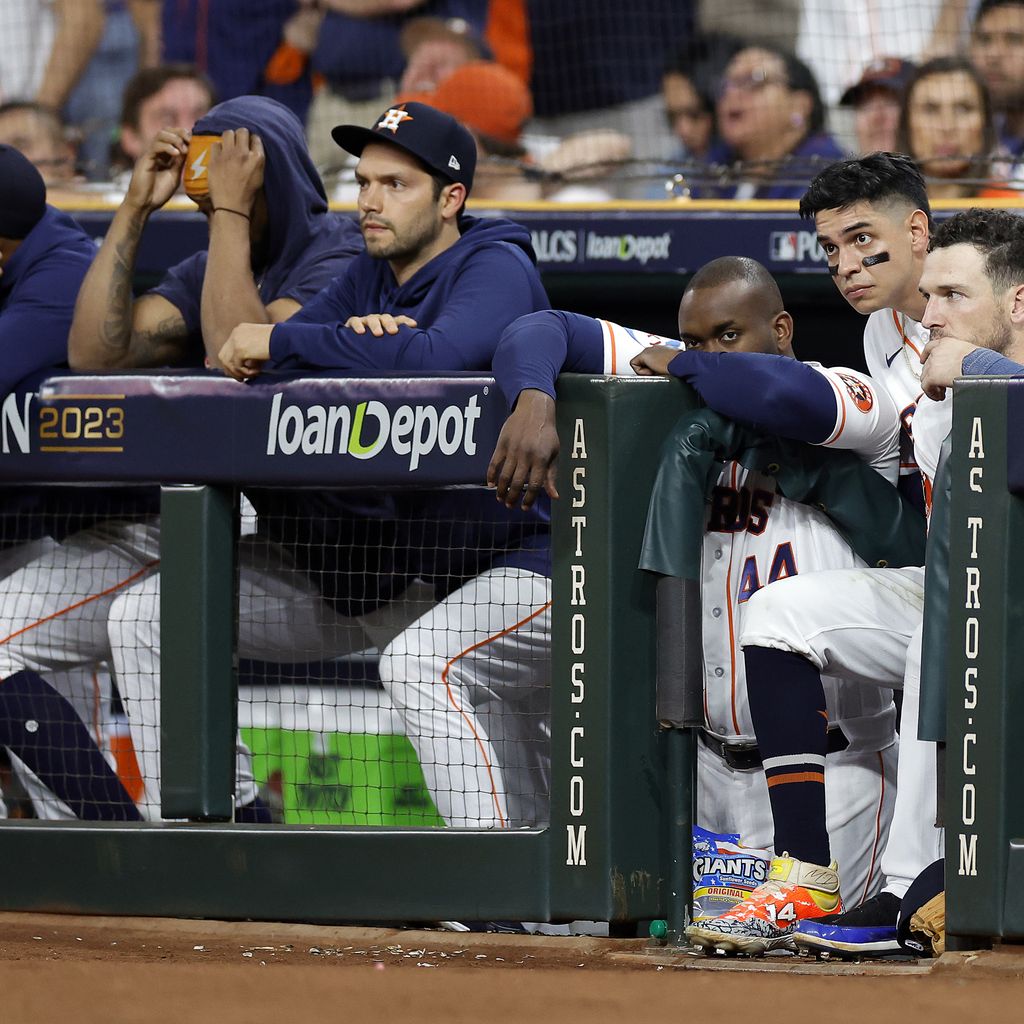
(783, 246)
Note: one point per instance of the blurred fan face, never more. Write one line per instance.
(756, 107)
(997, 51)
(179, 104)
(41, 141)
(876, 121)
(945, 124)
(689, 119)
(432, 62)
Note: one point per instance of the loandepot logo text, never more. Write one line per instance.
(364, 431)
(628, 248)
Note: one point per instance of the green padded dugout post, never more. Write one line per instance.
(610, 808)
(198, 709)
(984, 809)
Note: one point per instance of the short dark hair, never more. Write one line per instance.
(727, 269)
(879, 178)
(948, 66)
(990, 5)
(149, 81)
(997, 234)
(701, 59)
(801, 79)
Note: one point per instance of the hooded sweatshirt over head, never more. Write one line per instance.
(307, 245)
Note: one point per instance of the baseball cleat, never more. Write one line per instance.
(794, 891)
(867, 930)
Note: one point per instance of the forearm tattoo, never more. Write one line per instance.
(116, 329)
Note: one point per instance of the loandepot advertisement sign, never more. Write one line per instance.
(366, 429)
(415, 431)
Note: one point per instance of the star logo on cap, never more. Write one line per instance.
(393, 118)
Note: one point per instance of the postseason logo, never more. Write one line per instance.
(794, 247)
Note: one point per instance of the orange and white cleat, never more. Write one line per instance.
(794, 891)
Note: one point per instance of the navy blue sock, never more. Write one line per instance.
(787, 706)
(254, 813)
(43, 729)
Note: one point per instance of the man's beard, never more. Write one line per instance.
(403, 247)
(999, 338)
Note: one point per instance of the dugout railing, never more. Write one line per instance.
(617, 846)
(604, 854)
(973, 698)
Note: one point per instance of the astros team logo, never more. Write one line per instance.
(859, 392)
(393, 118)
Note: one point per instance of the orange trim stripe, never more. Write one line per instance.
(903, 334)
(466, 718)
(784, 780)
(610, 334)
(878, 828)
(85, 601)
(842, 405)
(96, 732)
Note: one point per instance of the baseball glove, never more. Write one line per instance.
(929, 922)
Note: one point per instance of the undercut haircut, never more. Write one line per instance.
(997, 234)
(880, 179)
(727, 269)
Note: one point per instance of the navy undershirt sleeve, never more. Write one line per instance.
(985, 361)
(537, 347)
(776, 394)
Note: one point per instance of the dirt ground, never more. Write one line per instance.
(56, 968)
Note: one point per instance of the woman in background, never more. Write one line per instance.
(946, 125)
(771, 122)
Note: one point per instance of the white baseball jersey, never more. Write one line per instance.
(754, 537)
(932, 424)
(893, 343)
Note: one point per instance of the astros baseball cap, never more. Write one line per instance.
(891, 73)
(433, 137)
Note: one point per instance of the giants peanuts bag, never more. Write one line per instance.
(724, 872)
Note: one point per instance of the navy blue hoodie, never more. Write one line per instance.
(307, 246)
(359, 557)
(462, 300)
(38, 289)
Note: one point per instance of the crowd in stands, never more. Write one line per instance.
(565, 101)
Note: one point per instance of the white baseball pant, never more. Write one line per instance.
(863, 626)
(55, 612)
(860, 791)
(914, 841)
(88, 689)
(281, 618)
(471, 681)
